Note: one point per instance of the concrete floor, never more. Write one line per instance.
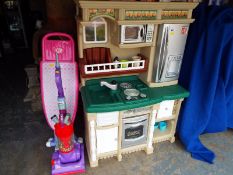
(23, 134)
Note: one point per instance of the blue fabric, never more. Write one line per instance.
(207, 72)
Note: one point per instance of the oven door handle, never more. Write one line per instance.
(135, 139)
(135, 124)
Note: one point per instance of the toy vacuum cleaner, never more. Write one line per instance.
(58, 58)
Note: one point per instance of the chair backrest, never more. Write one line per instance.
(97, 55)
(60, 43)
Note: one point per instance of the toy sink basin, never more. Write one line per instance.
(101, 99)
(101, 95)
(97, 95)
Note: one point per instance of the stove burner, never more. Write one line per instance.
(131, 92)
(126, 85)
(128, 97)
(143, 95)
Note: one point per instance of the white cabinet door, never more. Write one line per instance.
(107, 140)
(107, 118)
(165, 109)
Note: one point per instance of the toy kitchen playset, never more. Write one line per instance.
(130, 54)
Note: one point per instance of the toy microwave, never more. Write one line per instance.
(136, 33)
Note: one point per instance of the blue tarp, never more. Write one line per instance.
(207, 72)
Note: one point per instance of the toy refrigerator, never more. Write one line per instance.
(169, 52)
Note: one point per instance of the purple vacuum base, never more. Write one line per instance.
(78, 166)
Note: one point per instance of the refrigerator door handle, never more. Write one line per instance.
(161, 51)
(165, 45)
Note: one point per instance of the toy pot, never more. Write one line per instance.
(124, 65)
(136, 58)
(163, 126)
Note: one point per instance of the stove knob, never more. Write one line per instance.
(128, 97)
(114, 82)
(143, 95)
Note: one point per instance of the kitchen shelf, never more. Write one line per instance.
(177, 21)
(134, 45)
(160, 136)
(158, 21)
(108, 69)
(152, 84)
(138, 5)
(165, 118)
(131, 22)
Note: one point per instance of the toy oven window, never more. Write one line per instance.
(131, 33)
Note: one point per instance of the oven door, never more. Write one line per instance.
(134, 131)
(132, 33)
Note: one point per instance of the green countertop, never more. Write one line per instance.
(101, 99)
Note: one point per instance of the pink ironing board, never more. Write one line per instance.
(64, 45)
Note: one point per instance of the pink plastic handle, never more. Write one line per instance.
(65, 48)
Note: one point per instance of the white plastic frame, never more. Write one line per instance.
(119, 66)
(139, 39)
(94, 22)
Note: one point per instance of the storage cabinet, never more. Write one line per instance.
(107, 118)
(107, 140)
(160, 135)
(165, 109)
(105, 131)
(169, 112)
(101, 135)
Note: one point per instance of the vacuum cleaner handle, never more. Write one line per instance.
(57, 40)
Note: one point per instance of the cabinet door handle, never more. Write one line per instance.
(134, 124)
(107, 127)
